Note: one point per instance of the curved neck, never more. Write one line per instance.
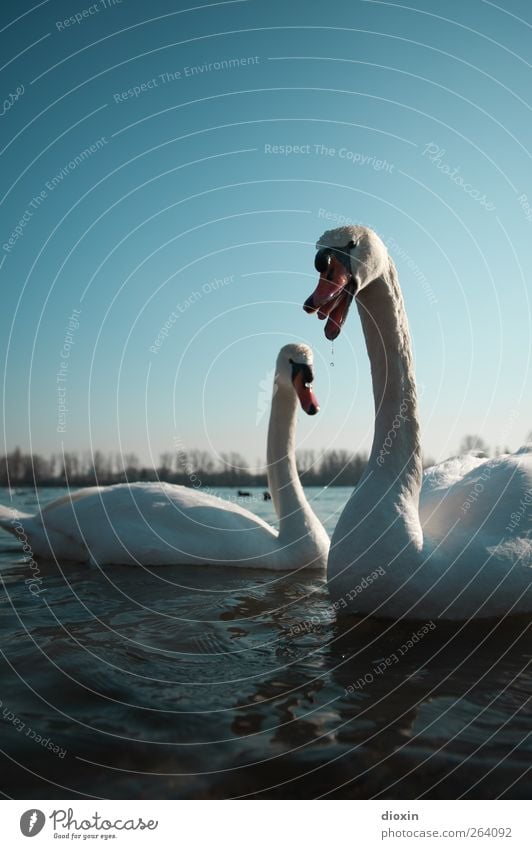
(396, 450)
(283, 480)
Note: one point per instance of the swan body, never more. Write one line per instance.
(446, 539)
(159, 524)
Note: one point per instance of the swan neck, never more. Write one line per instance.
(283, 480)
(396, 449)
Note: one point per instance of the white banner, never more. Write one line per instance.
(266, 824)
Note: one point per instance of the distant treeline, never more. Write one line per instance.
(188, 467)
(191, 468)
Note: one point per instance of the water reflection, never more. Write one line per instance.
(216, 683)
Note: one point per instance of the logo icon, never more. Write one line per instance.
(32, 822)
(267, 390)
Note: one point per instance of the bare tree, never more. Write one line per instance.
(131, 465)
(166, 461)
(70, 466)
(305, 460)
(15, 464)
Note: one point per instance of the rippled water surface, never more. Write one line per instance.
(216, 683)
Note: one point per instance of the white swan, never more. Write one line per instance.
(158, 523)
(459, 546)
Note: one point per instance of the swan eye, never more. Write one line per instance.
(322, 260)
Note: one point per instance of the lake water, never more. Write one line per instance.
(218, 683)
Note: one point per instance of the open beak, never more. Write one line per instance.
(335, 290)
(302, 378)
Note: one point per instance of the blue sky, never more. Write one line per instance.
(413, 120)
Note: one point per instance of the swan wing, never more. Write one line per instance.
(478, 496)
(154, 524)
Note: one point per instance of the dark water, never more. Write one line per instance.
(217, 683)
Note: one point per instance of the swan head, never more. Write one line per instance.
(348, 259)
(295, 372)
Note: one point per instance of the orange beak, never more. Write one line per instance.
(307, 399)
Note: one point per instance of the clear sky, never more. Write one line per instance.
(148, 184)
